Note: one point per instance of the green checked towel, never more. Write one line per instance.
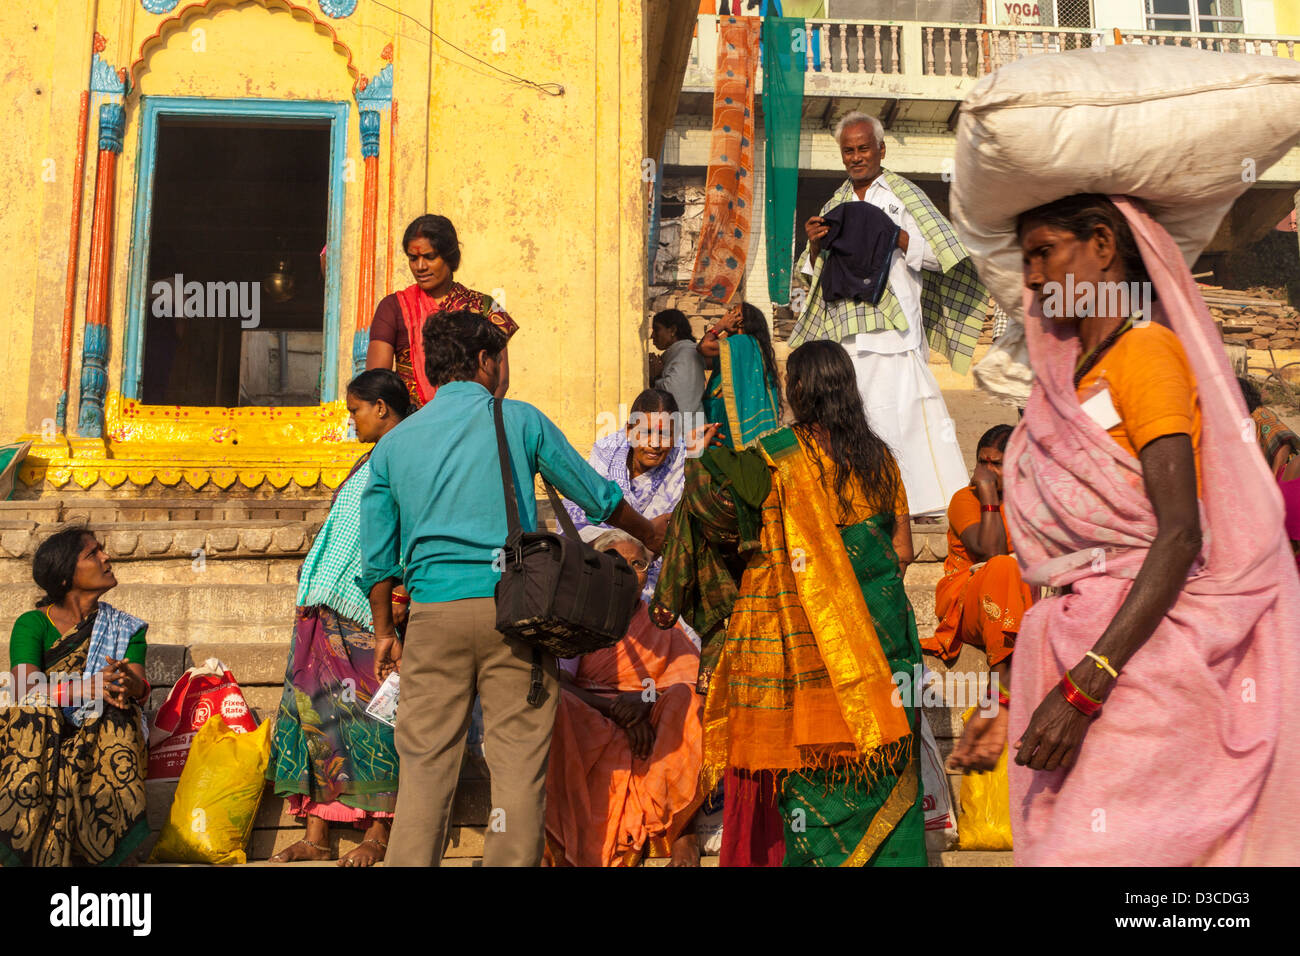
(953, 302)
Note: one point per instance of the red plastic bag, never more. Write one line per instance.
(201, 692)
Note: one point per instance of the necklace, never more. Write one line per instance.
(1089, 361)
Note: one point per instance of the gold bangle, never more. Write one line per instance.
(1103, 663)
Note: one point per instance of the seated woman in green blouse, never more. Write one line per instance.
(72, 768)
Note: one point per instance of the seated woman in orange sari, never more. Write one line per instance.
(625, 758)
(981, 598)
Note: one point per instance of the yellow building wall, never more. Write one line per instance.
(545, 190)
(1286, 16)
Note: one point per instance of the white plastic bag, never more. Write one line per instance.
(1004, 370)
(937, 802)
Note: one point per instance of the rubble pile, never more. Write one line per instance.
(1255, 318)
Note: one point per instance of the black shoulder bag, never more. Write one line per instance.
(556, 592)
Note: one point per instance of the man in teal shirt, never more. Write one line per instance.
(433, 515)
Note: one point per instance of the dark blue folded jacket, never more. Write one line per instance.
(859, 248)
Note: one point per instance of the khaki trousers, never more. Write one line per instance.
(451, 650)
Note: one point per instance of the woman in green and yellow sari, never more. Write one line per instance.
(743, 393)
(72, 745)
(803, 688)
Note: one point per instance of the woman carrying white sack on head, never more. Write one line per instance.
(1152, 686)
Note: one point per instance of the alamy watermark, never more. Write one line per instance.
(924, 688)
(175, 298)
(1079, 300)
(44, 689)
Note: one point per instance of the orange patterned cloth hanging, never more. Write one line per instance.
(729, 192)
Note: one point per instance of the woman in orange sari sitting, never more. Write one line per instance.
(623, 781)
(981, 598)
(396, 332)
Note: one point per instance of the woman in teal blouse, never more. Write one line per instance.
(330, 760)
(72, 745)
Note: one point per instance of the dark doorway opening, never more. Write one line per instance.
(240, 214)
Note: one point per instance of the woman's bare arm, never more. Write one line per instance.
(709, 345)
(1169, 468)
(379, 355)
(987, 538)
(597, 702)
(903, 542)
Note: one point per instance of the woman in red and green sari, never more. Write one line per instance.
(396, 332)
(803, 688)
(72, 746)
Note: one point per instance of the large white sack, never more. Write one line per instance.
(1185, 130)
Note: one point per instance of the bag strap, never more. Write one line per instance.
(535, 687)
(507, 481)
(515, 530)
(561, 513)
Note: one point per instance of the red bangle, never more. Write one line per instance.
(401, 599)
(990, 507)
(1004, 699)
(1088, 706)
(144, 696)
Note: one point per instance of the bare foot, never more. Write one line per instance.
(368, 853)
(686, 851)
(302, 850)
(372, 849)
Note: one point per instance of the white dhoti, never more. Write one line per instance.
(906, 409)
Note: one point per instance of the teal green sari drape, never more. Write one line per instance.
(738, 395)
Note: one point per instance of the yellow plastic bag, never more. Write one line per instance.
(985, 820)
(216, 800)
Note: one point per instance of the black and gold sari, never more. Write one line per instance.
(70, 795)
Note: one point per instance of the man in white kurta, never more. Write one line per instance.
(887, 344)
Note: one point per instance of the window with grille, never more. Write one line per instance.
(1067, 13)
(1195, 16)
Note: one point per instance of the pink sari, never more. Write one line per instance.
(1192, 760)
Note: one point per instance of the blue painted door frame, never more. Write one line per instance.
(155, 107)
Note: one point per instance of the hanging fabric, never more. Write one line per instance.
(785, 42)
(729, 188)
(656, 204)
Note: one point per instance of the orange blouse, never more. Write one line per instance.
(1152, 388)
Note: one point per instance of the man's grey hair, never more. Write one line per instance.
(853, 119)
(607, 539)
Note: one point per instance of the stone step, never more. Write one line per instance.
(157, 539)
(974, 858)
(919, 585)
(274, 828)
(195, 603)
(343, 845)
(250, 664)
(96, 510)
(176, 571)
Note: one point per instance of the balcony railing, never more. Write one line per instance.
(1219, 42)
(844, 48)
(974, 51)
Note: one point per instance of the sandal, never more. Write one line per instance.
(315, 846)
